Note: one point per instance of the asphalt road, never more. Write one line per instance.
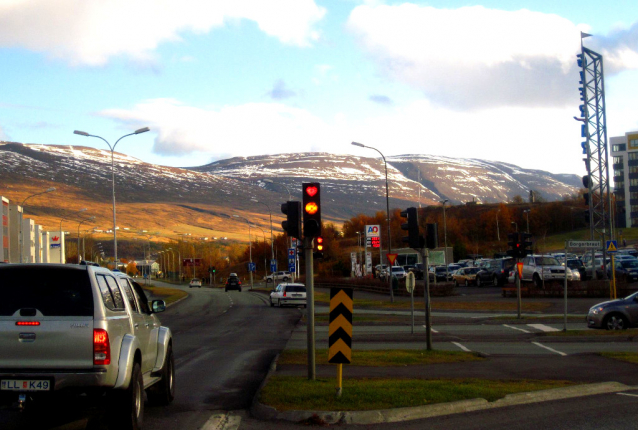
(224, 344)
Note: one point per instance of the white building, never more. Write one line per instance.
(28, 240)
(57, 252)
(15, 215)
(4, 231)
(44, 240)
(624, 152)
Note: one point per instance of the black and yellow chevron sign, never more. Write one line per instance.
(340, 329)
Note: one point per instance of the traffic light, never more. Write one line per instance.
(292, 225)
(413, 239)
(318, 248)
(586, 216)
(431, 236)
(311, 209)
(515, 245)
(526, 245)
(586, 198)
(586, 181)
(584, 146)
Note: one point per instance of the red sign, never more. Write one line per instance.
(375, 242)
(519, 266)
(392, 258)
(190, 262)
(55, 238)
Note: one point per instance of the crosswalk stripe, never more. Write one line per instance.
(461, 346)
(550, 349)
(543, 327)
(516, 328)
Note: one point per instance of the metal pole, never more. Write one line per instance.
(447, 271)
(339, 379)
(426, 293)
(412, 307)
(613, 273)
(565, 287)
(518, 290)
(310, 293)
(250, 250)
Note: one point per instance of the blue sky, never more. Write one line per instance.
(495, 80)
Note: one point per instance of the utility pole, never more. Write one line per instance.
(310, 299)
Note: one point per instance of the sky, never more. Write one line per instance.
(494, 80)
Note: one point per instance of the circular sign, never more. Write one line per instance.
(410, 282)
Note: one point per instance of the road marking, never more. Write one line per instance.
(515, 328)
(433, 331)
(461, 346)
(543, 327)
(627, 394)
(549, 349)
(222, 422)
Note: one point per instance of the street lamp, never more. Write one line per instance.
(270, 181)
(82, 222)
(387, 202)
(526, 212)
(272, 249)
(112, 148)
(447, 274)
(48, 190)
(515, 226)
(61, 234)
(250, 248)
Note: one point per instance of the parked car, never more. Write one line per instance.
(494, 272)
(575, 265)
(398, 272)
(465, 276)
(288, 295)
(195, 282)
(232, 283)
(74, 329)
(627, 270)
(379, 269)
(542, 268)
(279, 276)
(439, 274)
(616, 314)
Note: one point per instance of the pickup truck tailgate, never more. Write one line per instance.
(46, 318)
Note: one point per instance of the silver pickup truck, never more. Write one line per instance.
(82, 329)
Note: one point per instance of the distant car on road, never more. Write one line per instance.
(288, 295)
(232, 283)
(195, 282)
(616, 314)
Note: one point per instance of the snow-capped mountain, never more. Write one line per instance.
(350, 184)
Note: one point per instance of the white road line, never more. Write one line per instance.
(515, 328)
(433, 331)
(543, 327)
(627, 394)
(461, 346)
(550, 349)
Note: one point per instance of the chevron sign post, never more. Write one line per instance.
(340, 330)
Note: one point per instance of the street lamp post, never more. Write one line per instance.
(387, 202)
(112, 148)
(48, 190)
(64, 219)
(270, 181)
(82, 222)
(447, 274)
(498, 233)
(272, 249)
(526, 212)
(250, 249)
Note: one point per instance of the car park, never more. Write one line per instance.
(195, 282)
(439, 274)
(398, 272)
(232, 283)
(575, 265)
(293, 294)
(465, 276)
(618, 314)
(77, 329)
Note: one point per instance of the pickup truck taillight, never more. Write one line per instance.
(101, 347)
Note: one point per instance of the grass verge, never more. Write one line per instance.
(590, 332)
(538, 318)
(298, 393)
(169, 295)
(631, 357)
(379, 358)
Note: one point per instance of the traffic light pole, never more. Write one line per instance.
(518, 289)
(310, 300)
(426, 294)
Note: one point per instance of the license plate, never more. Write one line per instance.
(296, 295)
(25, 385)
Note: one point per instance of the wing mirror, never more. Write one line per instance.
(158, 306)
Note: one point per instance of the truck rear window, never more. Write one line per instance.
(54, 291)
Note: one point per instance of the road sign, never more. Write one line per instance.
(252, 267)
(340, 327)
(190, 262)
(612, 246)
(392, 258)
(273, 265)
(292, 256)
(409, 282)
(519, 266)
(584, 244)
(373, 231)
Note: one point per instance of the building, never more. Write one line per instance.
(28, 241)
(44, 241)
(15, 219)
(37, 237)
(4, 231)
(624, 152)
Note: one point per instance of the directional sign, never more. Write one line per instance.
(252, 267)
(340, 327)
(190, 262)
(612, 247)
(584, 244)
(292, 256)
(273, 265)
(392, 258)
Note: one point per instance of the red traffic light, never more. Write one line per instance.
(311, 191)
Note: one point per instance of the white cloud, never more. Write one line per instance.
(93, 31)
(533, 138)
(473, 57)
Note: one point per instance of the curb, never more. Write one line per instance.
(263, 412)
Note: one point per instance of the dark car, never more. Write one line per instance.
(626, 270)
(494, 272)
(441, 274)
(616, 314)
(576, 264)
(233, 283)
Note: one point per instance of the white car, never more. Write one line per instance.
(288, 295)
(195, 282)
(398, 272)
